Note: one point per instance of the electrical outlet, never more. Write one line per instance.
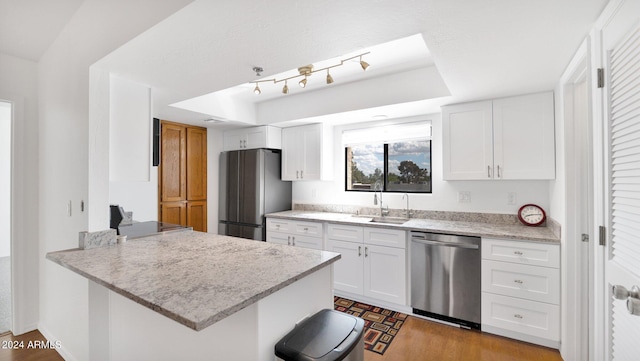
(464, 197)
(512, 198)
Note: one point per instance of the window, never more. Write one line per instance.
(388, 165)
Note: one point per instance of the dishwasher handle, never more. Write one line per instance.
(446, 244)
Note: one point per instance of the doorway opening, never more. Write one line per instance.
(577, 251)
(6, 115)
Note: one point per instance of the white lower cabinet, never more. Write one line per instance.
(521, 290)
(366, 268)
(295, 233)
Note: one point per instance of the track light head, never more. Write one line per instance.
(285, 88)
(363, 64)
(303, 82)
(329, 77)
(257, 90)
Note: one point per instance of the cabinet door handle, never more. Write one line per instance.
(499, 176)
(293, 241)
(297, 174)
(366, 251)
(519, 316)
(301, 174)
(518, 282)
(488, 171)
(359, 251)
(518, 253)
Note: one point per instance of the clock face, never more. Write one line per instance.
(531, 215)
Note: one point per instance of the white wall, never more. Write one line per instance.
(5, 179)
(486, 196)
(18, 84)
(96, 29)
(214, 147)
(133, 181)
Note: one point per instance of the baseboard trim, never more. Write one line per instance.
(62, 350)
(24, 329)
(375, 302)
(521, 336)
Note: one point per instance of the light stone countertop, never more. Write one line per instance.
(464, 228)
(194, 278)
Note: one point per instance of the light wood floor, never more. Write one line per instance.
(26, 354)
(420, 340)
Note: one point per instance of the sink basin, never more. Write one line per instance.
(390, 220)
(384, 219)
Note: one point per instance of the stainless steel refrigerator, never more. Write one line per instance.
(250, 187)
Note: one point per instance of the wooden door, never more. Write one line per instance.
(183, 176)
(196, 167)
(174, 212)
(197, 215)
(173, 168)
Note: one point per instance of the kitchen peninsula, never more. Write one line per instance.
(222, 297)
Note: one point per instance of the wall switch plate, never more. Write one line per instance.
(464, 197)
(512, 198)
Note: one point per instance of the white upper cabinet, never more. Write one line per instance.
(307, 153)
(509, 138)
(252, 138)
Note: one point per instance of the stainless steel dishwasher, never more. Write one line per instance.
(445, 277)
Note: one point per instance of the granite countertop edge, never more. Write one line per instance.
(463, 228)
(195, 324)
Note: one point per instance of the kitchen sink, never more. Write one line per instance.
(381, 219)
(389, 220)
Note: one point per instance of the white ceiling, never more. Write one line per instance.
(482, 49)
(28, 27)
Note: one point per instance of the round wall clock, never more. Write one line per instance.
(531, 215)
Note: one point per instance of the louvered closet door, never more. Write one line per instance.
(621, 46)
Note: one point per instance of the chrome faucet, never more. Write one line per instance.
(378, 187)
(408, 213)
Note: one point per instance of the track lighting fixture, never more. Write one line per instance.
(305, 72)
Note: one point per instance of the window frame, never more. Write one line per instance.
(385, 171)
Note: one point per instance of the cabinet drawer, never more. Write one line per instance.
(307, 242)
(385, 237)
(528, 317)
(277, 237)
(279, 225)
(312, 229)
(346, 233)
(529, 282)
(535, 254)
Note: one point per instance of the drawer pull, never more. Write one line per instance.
(306, 229)
(518, 253)
(359, 251)
(518, 316)
(289, 240)
(277, 226)
(518, 281)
